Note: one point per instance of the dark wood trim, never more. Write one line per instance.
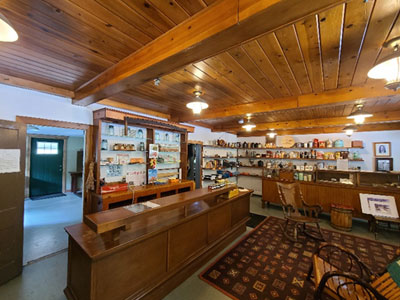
(52, 123)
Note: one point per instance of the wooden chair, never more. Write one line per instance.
(354, 280)
(291, 198)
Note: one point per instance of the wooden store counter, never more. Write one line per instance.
(141, 193)
(327, 193)
(144, 250)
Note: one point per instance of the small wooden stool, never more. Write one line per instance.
(341, 217)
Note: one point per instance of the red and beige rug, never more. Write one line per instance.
(265, 265)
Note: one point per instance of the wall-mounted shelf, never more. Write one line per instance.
(251, 175)
(122, 151)
(253, 167)
(224, 157)
(312, 159)
(282, 148)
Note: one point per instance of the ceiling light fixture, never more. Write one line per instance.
(272, 133)
(388, 68)
(7, 32)
(198, 105)
(249, 125)
(359, 114)
(349, 129)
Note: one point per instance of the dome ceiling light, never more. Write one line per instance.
(249, 125)
(198, 105)
(359, 114)
(7, 32)
(271, 134)
(349, 129)
(388, 68)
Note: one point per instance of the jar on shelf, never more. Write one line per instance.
(110, 130)
(141, 146)
(104, 145)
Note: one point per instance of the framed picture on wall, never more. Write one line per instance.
(382, 149)
(384, 164)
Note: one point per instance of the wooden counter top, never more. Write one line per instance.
(119, 217)
(340, 185)
(142, 189)
(143, 224)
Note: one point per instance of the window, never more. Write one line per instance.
(46, 148)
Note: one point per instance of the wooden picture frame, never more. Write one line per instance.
(384, 164)
(382, 149)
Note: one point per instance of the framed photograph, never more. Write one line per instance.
(382, 149)
(384, 164)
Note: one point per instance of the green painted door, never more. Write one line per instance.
(46, 169)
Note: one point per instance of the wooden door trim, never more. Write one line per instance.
(28, 160)
(89, 150)
(51, 123)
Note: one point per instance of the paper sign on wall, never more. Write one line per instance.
(9, 160)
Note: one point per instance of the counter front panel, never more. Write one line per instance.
(155, 249)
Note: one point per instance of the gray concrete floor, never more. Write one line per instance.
(46, 279)
(44, 222)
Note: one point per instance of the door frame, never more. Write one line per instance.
(28, 159)
(89, 149)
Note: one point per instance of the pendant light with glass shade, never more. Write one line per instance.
(271, 134)
(349, 129)
(359, 114)
(249, 125)
(388, 68)
(7, 32)
(198, 105)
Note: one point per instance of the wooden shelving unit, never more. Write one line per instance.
(123, 124)
(312, 159)
(238, 151)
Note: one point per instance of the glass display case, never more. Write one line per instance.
(380, 179)
(334, 176)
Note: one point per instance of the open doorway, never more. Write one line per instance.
(53, 188)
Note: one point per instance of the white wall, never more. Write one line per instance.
(207, 136)
(16, 101)
(74, 144)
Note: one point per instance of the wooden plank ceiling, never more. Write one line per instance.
(64, 44)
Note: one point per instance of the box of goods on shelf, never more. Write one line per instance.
(168, 157)
(122, 154)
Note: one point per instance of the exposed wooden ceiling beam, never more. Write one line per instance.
(32, 85)
(385, 116)
(223, 25)
(303, 101)
(334, 129)
(117, 104)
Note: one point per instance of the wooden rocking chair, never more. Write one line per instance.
(288, 194)
(352, 279)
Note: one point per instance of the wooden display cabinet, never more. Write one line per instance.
(324, 191)
(129, 129)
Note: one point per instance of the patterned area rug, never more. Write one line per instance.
(265, 265)
(255, 220)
